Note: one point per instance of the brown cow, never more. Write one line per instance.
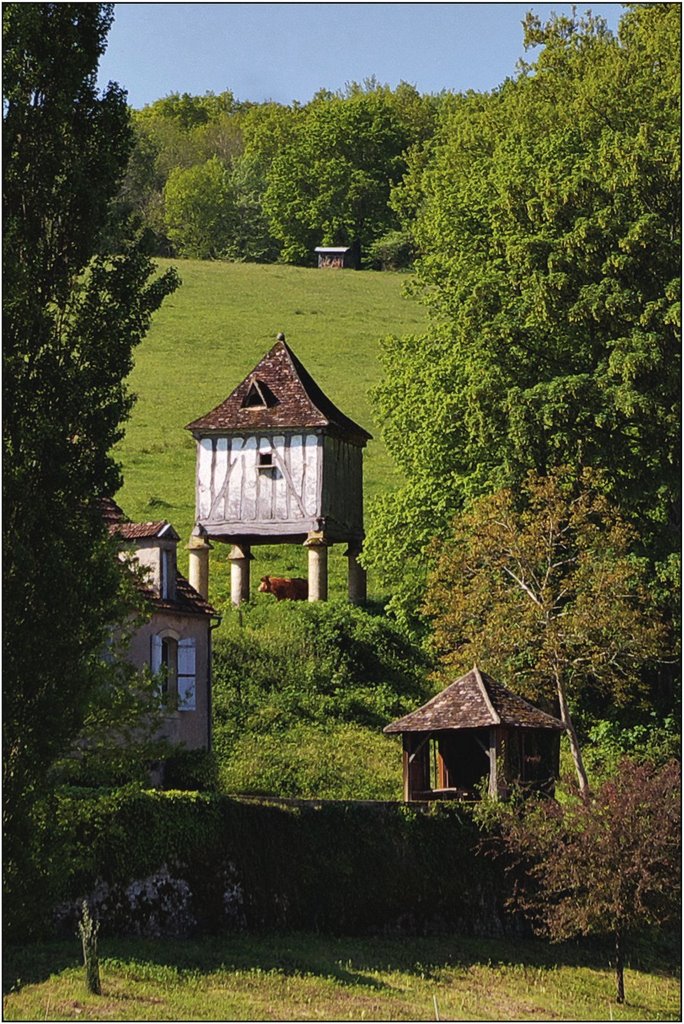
(284, 589)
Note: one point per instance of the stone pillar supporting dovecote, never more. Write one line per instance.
(198, 561)
(356, 575)
(317, 547)
(240, 556)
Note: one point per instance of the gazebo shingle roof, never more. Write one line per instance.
(293, 399)
(474, 701)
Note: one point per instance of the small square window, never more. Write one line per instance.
(265, 460)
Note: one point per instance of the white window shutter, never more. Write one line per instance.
(155, 653)
(156, 661)
(186, 674)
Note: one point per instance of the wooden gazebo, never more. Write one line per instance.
(472, 730)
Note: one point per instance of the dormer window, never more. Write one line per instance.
(259, 396)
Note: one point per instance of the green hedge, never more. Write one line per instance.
(207, 863)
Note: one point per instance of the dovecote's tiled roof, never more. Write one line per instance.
(474, 701)
(284, 396)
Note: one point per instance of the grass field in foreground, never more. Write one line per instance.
(304, 977)
(206, 338)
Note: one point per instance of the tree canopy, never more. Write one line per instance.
(200, 209)
(297, 176)
(608, 867)
(547, 215)
(330, 184)
(539, 585)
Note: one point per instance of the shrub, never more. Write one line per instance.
(313, 761)
(656, 741)
(287, 682)
(174, 863)
(607, 865)
(191, 769)
(393, 251)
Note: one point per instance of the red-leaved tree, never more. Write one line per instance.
(607, 866)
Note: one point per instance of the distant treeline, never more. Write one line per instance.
(212, 177)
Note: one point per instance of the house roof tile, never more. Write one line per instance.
(187, 600)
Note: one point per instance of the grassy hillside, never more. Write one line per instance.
(204, 341)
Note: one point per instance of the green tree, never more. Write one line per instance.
(539, 587)
(330, 183)
(139, 203)
(200, 209)
(71, 321)
(251, 237)
(548, 222)
(182, 133)
(608, 867)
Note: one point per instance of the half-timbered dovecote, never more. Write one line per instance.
(278, 462)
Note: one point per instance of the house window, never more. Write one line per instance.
(186, 674)
(175, 659)
(169, 654)
(266, 460)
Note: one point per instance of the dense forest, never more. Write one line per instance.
(215, 177)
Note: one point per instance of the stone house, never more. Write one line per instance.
(178, 634)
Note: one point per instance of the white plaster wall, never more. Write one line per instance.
(188, 727)
(231, 488)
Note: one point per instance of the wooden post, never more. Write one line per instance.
(198, 561)
(493, 755)
(317, 547)
(416, 764)
(240, 556)
(442, 772)
(356, 576)
(406, 744)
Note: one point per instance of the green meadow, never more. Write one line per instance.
(208, 336)
(307, 977)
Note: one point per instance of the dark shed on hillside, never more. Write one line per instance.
(338, 257)
(472, 727)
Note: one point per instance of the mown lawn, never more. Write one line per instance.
(210, 333)
(305, 977)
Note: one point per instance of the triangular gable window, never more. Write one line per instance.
(259, 396)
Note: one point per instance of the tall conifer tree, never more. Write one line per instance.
(71, 319)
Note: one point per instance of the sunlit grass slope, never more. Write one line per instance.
(301, 977)
(211, 333)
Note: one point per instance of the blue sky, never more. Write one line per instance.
(287, 51)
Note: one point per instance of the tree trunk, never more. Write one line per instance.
(572, 736)
(619, 966)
